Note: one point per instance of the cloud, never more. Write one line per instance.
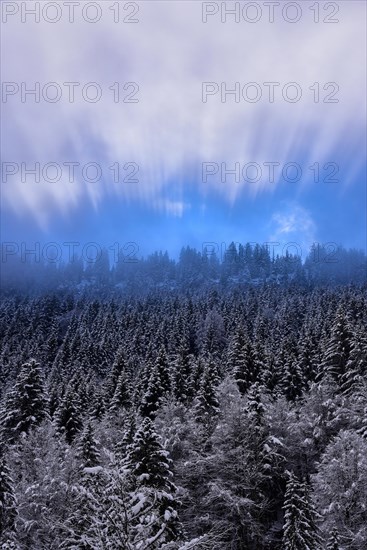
(170, 132)
(173, 208)
(293, 224)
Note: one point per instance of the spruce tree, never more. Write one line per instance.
(153, 395)
(119, 366)
(122, 394)
(292, 380)
(206, 407)
(8, 504)
(338, 348)
(241, 361)
(362, 431)
(163, 369)
(127, 438)
(97, 405)
(153, 506)
(87, 448)
(182, 369)
(26, 405)
(306, 359)
(300, 531)
(264, 455)
(147, 460)
(356, 368)
(68, 417)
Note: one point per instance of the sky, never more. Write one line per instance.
(171, 123)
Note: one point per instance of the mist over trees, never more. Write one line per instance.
(53, 267)
(198, 404)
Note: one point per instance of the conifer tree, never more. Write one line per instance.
(52, 344)
(356, 368)
(338, 348)
(68, 417)
(207, 405)
(264, 453)
(87, 448)
(306, 360)
(153, 506)
(119, 366)
(53, 392)
(98, 405)
(162, 366)
(292, 381)
(122, 394)
(8, 504)
(127, 436)
(26, 405)
(153, 395)
(182, 370)
(300, 531)
(241, 361)
(362, 431)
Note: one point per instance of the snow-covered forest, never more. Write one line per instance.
(191, 404)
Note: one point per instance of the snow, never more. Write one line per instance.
(92, 470)
(139, 506)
